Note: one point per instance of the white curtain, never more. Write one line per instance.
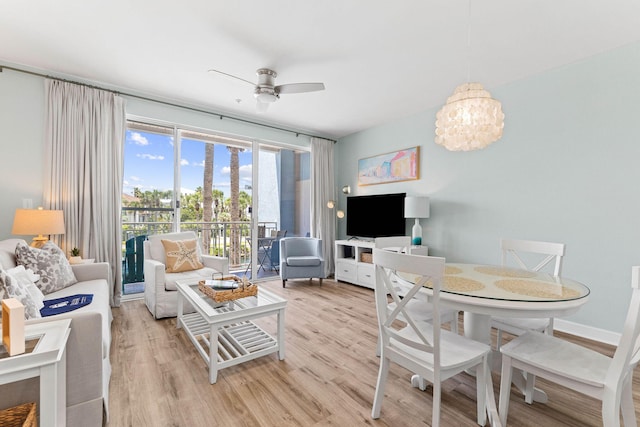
(323, 219)
(84, 143)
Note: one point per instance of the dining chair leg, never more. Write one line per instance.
(505, 388)
(530, 381)
(628, 411)
(382, 380)
(498, 339)
(481, 391)
(437, 397)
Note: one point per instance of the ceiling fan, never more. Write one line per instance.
(265, 90)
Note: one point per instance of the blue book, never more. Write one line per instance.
(65, 304)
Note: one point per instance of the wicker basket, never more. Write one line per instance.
(245, 289)
(366, 257)
(19, 416)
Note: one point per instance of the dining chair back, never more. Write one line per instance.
(420, 306)
(550, 251)
(579, 368)
(532, 256)
(421, 347)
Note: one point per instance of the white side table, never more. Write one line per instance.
(46, 360)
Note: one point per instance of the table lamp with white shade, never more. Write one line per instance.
(416, 207)
(41, 222)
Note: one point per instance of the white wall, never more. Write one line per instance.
(566, 170)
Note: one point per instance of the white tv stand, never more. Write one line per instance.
(353, 258)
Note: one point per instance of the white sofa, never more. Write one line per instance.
(88, 346)
(160, 292)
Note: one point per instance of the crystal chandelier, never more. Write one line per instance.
(470, 120)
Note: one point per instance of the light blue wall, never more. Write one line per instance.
(22, 137)
(21, 142)
(566, 170)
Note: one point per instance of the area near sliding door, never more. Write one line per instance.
(233, 192)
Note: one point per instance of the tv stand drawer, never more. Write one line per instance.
(346, 271)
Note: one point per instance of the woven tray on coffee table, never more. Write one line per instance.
(244, 289)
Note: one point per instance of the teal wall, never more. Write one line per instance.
(566, 170)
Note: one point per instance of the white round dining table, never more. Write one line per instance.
(482, 291)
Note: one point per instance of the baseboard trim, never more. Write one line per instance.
(589, 332)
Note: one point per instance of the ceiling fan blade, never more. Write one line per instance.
(299, 87)
(262, 107)
(232, 76)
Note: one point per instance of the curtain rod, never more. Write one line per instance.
(144, 98)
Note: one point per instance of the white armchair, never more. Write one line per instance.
(160, 292)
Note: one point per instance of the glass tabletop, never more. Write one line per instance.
(505, 283)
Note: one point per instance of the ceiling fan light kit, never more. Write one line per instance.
(266, 92)
(470, 120)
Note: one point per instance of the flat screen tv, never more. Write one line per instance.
(380, 215)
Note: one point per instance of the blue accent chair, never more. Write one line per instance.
(301, 258)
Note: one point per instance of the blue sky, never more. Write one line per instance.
(148, 164)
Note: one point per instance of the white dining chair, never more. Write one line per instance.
(533, 256)
(579, 368)
(422, 347)
(417, 306)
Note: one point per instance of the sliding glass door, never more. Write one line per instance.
(216, 185)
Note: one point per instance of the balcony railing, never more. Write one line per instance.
(141, 222)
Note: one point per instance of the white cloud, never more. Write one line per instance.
(184, 162)
(135, 178)
(138, 139)
(150, 156)
(245, 171)
(201, 164)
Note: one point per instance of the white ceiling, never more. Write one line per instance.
(379, 60)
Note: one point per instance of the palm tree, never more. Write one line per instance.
(207, 197)
(234, 246)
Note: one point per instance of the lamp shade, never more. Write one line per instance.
(37, 221)
(416, 207)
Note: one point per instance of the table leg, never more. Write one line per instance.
(478, 328)
(180, 310)
(53, 394)
(213, 354)
(281, 334)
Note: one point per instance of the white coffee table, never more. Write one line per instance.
(229, 324)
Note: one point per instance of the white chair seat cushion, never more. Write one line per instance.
(518, 326)
(196, 275)
(455, 350)
(303, 261)
(562, 357)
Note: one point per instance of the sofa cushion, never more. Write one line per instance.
(303, 261)
(99, 304)
(10, 287)
(181, 255)
(50, 263)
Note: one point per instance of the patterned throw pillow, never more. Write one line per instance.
(181, 255)
(50, 263)
(11, 288)
(27, 280)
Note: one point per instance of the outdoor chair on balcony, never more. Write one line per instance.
(301, 258)
(171, 257)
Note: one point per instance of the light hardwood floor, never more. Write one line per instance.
(327, 378)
